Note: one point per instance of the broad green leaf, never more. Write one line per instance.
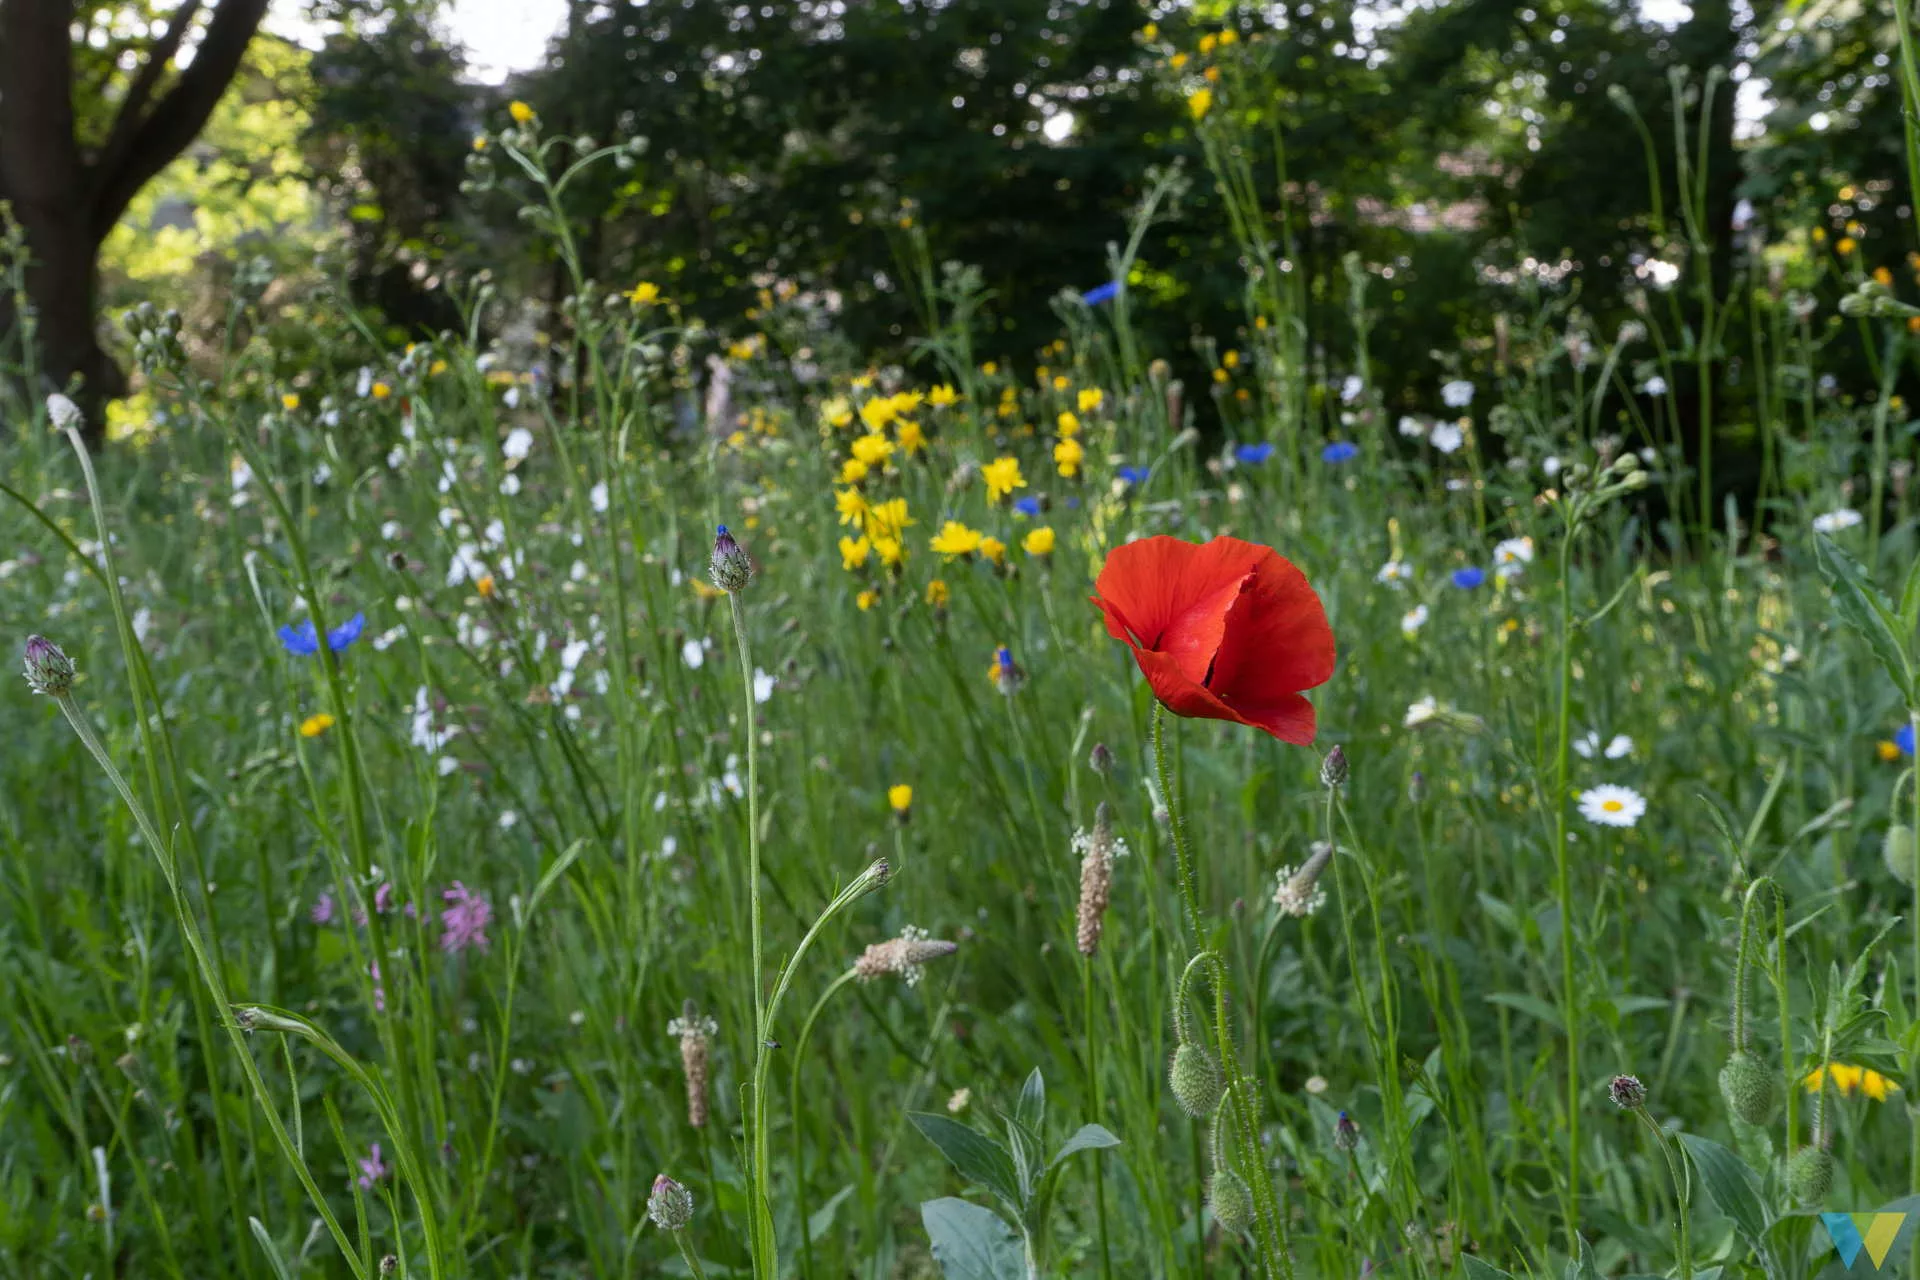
(1533, 1006)
(1867, 612)
(1478, 1270)
(1031, 1110)
(976, 1156)
(971, 1242)
(1582, 1266)
(1091, 1137)
(1733, 1188)
(1910, 600)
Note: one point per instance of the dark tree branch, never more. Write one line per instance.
(179, 116)
(133, 108)
(39, 160)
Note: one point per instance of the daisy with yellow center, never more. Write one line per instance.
(1003, 477)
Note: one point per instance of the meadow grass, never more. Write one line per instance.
(431, 855)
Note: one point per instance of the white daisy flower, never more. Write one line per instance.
(1457, 394)
(1835, 521)
(1447, 436)
(1351, 388)
(1422, 711)
(598, 496)
(694, 654)
(1612, 806)
(1511, 557)
(1618, 747)
(518, 444)
(1394, 572)
(1654, 386)
(762, 685)
(1412, 620)
(1412, 427)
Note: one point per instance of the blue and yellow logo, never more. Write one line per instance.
(1873, 1234)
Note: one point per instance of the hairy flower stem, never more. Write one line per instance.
(1682, 1176)
(1913, 1168)
(1269, 1224)
(686, 1252)
(1563, 885)
(760, 1213)
(793, 1105)
(1093, 1091)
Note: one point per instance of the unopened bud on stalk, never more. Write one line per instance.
(48, 669)
(64, 413)
(1810, 1174)
(1346, 1134)
(1627, 1092)
(1100, 759)
(1748, 1088)
(731, 566)
(390, 1265)
(1196, 1080)
(1333, 769)
(670, 1205)
(1897, 851)
(1231, 1200)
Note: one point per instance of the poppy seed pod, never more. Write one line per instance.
(1196, 1080)
(1810, 1174)
(1748, 1089)
(1231, 1200)
(1897, 851)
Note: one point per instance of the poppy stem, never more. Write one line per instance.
(1177, 824)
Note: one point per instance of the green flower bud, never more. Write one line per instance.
(1231, 1201)
(670, 1205)
(1810, 1174)
(1897, 850)
(1748, 1088)
(1196, 1080)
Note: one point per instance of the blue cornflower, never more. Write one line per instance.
(303, 640)
(1101, 293)
(1027, 506)
(1904, 739)
(1340, 451)
(1253, 455)
(1134, 475)
(1469, 578)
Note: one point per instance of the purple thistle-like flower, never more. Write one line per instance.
(372, 1168)
(48, 669)
(465, 920)
(322, 912)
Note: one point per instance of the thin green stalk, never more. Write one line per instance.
(1563, 883)
(761, 1211)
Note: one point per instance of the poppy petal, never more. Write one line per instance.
(1174, 595)
(1276, 639)
(1289, 718)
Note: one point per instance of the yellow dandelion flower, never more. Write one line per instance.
(937, 594)
(479, 142)
(854, 553)
(1199, 102)
(890, 550)
(1221, 375)
(900, 797)
(520, 111)
(866, 600)
(1849, 1080)
(837, 412)
(1003, 477)
(1177, 61)
(1207, 42)
(1845, 245)
(853, 471)
(877, 412)
(990, 368)
(1067, 455)
(289, 401)
(1061, 382)
(993, 549)
(872, 449)
(1231, 359)
(905, 402)
(381, 391)
(437, 368)
(887, 519)
(861, 381)
(912, 438)
(1883, 277)
(942, 396)
(1038, 542)
(315, 725)
(643, 294)
(1069, 424)
(484, 585)
(852, 507)
(1091, 398)
(1228, 37)
(1150, 32)
(1888, 749)
(955, 539)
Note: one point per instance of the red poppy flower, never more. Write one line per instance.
(1225, 631)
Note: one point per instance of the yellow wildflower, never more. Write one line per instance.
(942, 396)
(854, 552)
(381, 391)
(1228, 37)
(1844, 246)
(853, 471)
(993, 549)
(955, 539)
(837, 412)
(1199, 102)
(900, 796)
(873, 449)
(1061, 382)
(937, 594)
(1091, 398)
(1221, 375)
(315, 725)
(877, 412)
(479, 142)
(643, 294)
(1883, 277)
(851, 504)
(1038, 542)
(484, 585)
(1849, 1080)
(704, 590)
(1231, 359)
(1003, 477)
(887, 519)
(1150, 32)
(437, 368)
(905, 402)
(520, 111)
(1069, 424)
(861, 381)
(1067, 455)
(890, 551)
(1888, 749)
(1177, 61)
(912, 438)
(1207, 42)
(990, 368)
(866, 600)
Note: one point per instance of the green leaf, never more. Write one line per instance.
(1582, 1265)
(1091, 1137)
(1868, 613)
(971, 1242)
(1031, 1110)
(977, 1157)
(820, 1221)
(1478, 1270)
(272, 1250)
(1910, 599)
(1733, 1187)
(1533, 1006)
